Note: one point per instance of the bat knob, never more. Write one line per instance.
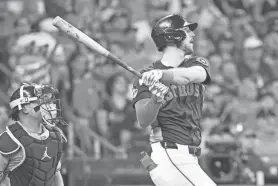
(56, 20)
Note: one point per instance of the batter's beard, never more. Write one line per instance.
(186, 48)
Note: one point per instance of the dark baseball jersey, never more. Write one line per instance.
(179, 117)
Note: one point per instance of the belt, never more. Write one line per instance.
(194, 150)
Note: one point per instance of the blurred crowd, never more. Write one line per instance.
(239, 37)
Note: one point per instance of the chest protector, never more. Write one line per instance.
(40, 160)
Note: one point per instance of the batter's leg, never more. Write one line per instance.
(196, 175)
(165, 175)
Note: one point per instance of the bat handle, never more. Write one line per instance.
(119, 62)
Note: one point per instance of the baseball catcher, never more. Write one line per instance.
(31, 147)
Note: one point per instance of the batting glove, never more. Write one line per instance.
(151, 80)
(151, 77)
(159, 90)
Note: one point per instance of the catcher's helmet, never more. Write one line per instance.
(169, 29)
(20, 97)
(44, 96)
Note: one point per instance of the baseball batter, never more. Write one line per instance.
(31, 148)
(169, 97)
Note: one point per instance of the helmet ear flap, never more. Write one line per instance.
(169, 37)
(175, 37)
(162, 40)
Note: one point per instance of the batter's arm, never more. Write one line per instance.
(198, 71)
(184, 75)
(146, 111)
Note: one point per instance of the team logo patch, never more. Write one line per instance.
(134, 92)
(203, 61)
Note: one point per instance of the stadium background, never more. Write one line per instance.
(239, 37)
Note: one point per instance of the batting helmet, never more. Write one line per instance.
(169, 30)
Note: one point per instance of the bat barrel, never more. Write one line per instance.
(56, 20)
(90, 43)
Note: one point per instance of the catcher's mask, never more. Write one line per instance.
(48, 105)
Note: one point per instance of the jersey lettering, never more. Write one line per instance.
(182, 91)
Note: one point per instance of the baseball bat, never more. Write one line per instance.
(90, 43)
